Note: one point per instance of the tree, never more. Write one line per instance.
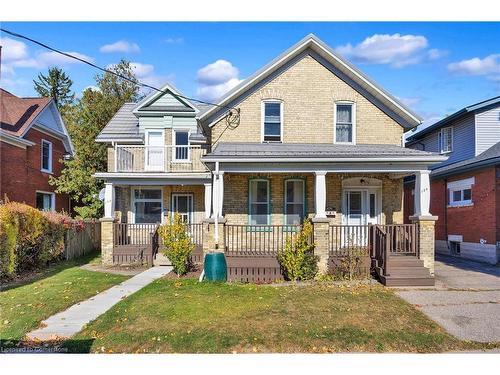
(85, 121)
(56, 85)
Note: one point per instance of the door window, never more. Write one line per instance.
(155, 142)
(183, 205)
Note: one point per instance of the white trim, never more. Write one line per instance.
(14, 140)
(153, 96)
(190, 208)
(353, 121)
(50, 167)
(262, 118)
(441, 140)
(174, 144)
(285, 201)
(133, 200)
(460, 185)
(52, 198)
(465, 183)
(147, 167)
(268, 202)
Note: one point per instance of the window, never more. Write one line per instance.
(45, 201)
(183, 205)
(446, 140)
(294, 201)
(460, 192)
(272, 118)
(181, 145)
(372, 206)
(147, 205)
(259, 202)
(46, 156)
(155, 141)
(345, 131)
(455, 247)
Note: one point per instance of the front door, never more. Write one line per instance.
(155, 149)
(183, 205)
(361, 208)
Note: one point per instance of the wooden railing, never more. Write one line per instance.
(348, 239)
(257, 240)
(133, 234)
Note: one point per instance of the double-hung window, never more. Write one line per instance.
(345, 127)
(147, 205)
(46, 156)
(446, 140)
(259, 202)
(460, 192)
(272, 121)
(294, 201)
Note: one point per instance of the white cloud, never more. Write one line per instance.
(13, 49)
(216, 79)
(174, 40)
(488, 66)
(435, 54)
(145, 73)
(142, 70)
(396, 50)
(122, 46)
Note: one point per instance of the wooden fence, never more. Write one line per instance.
(79, 242)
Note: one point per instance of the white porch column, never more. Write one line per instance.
(320, 195)
(208, 199)
(215, 194)
(220, 199)
(109, 200)
(422, 193)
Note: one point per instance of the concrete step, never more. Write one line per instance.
(161, 260)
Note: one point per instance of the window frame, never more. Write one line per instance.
(353, 121)
(50, 166)
(285, 203)
(269, 209)
(147, 166)
(52, 199)
(174, 144)
(460, 186)
(134, 200)
(263, 116)
(441, 140)
(191, 208)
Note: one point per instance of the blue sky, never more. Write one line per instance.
(435, 68)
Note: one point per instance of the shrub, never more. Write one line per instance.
(177, 244)
(8, 236)
(297, 258)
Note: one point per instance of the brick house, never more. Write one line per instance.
(465, 190)
(33, 141)
(306, 136)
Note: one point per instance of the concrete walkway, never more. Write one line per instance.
(465, 301)
(66, 323)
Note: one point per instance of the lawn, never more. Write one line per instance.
(24, 306)
(186, 316)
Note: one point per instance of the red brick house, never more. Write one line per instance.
(465, 189)
(33, 141)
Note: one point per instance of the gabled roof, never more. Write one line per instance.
(143, 105)
(408, 118)
(455, 116)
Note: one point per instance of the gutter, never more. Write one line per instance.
(465, 168)
(437, 158)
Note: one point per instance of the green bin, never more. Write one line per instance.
(215, 267)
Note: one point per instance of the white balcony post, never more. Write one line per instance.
(109, 200)
(422, 193)
(221, 194)
(208, 199)
(320, 195)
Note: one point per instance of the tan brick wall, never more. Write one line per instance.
(111, 159)
(427, 242)
(308, 91)
(107, 241)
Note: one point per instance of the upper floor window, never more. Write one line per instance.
(181, 145)
(446, 140)
(272, 121)
(46, 156)
(345, 126)
(460, 192)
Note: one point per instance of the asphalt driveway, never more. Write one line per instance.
(465, 300)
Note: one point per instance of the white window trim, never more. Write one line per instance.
(147, 167)
(52, 198)
(174, 144)
(262, 117)
(268, 222)
(48, 170)
(441, 140)
(460, 185)
(303, 197)
(353, 105)
(134, 200)
(191, 209)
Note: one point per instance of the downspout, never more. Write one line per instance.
(446, 210)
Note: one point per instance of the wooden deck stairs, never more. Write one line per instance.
(405, 270)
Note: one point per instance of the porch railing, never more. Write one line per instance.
(133, 234)
(139, 158)
(257, 240)
(348, 239)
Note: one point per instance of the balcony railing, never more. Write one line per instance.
(159, 159)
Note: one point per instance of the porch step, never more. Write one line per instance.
(407, 281)
(409, 272)
(405, 261)
(161, 260)
(405, 271)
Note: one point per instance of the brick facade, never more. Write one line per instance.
(20, 175)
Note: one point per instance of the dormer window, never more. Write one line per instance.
(446, 140)
(345, 124)
(272, 121)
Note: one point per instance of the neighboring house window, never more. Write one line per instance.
(46, 156)
(272, 121)
(259, 204)
(460, 192)
(446, 140)
(294, 201)
(345, 126)
(45, 201)
(181, 145)
(148, 205)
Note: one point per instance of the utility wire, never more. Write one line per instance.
(135, 82)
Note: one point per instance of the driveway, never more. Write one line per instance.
(465, 300)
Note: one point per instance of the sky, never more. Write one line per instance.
(434, 68)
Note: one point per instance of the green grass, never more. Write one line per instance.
(186, 316)
(23, 307)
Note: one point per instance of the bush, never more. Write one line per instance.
(177, 244)
(297, 259)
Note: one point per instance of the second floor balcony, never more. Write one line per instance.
(172, 159)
